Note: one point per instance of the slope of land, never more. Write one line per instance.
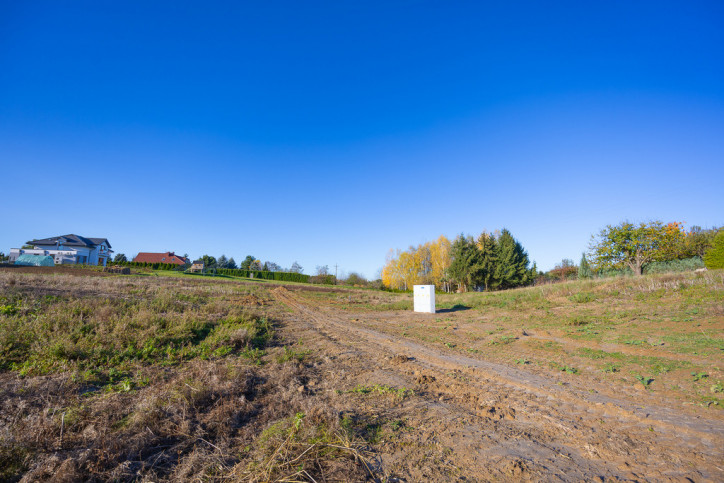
(132, 377)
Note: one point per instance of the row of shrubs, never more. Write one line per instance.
(683, 265)
(234, 272)
(153, 266)
(278, 276)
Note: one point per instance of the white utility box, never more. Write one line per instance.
(424, 298)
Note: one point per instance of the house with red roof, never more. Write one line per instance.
(166, 257)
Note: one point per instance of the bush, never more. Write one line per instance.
(714, 257)
(277, 276)
(323, 279)
(685, 265)
(355, 279)
(615, 272)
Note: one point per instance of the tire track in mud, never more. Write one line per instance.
(579, 433)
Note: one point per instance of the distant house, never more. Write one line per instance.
(68, 249)
(197, 266)
(167, 257)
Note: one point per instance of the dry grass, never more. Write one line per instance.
(118, 378)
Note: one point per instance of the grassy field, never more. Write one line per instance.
(661, 332)
(110, 377)
(178, 378)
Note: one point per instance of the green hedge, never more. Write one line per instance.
(234, 272)
(153, 266)
(278, 276)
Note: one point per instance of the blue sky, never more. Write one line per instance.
(331, 132)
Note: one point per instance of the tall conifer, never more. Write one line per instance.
(465, 265)
(584, 269)
(487, 247)
(222, 262)
(512, 267)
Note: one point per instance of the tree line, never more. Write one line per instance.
(492, 261)
(496, 261)
(640, 248)
(250, 263)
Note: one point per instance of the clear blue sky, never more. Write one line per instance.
(330, 132)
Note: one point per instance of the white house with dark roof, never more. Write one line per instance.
(68, 249)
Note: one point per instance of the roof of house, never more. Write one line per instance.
(71, 241)
(165, 257)
(98, 241)
(198, 262)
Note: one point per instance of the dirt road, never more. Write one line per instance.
(475, 419)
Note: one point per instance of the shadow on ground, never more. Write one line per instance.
(454, 308)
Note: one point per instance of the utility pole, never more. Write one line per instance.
(335, 273)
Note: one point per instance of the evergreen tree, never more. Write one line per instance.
(247, 262)
(209, 261)
(512, 263)
(222, 262)
(231, 263)
(534, 272)
(714, 256)
(465, 266)
(487, 246)
(584, 269)
(265, 267)
(120, 257)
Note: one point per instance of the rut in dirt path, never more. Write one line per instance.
(658, 431)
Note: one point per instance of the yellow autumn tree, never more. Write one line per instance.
(421, 263)
(391, 273)
(440, 262)
(426, 263)
(407, 268)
